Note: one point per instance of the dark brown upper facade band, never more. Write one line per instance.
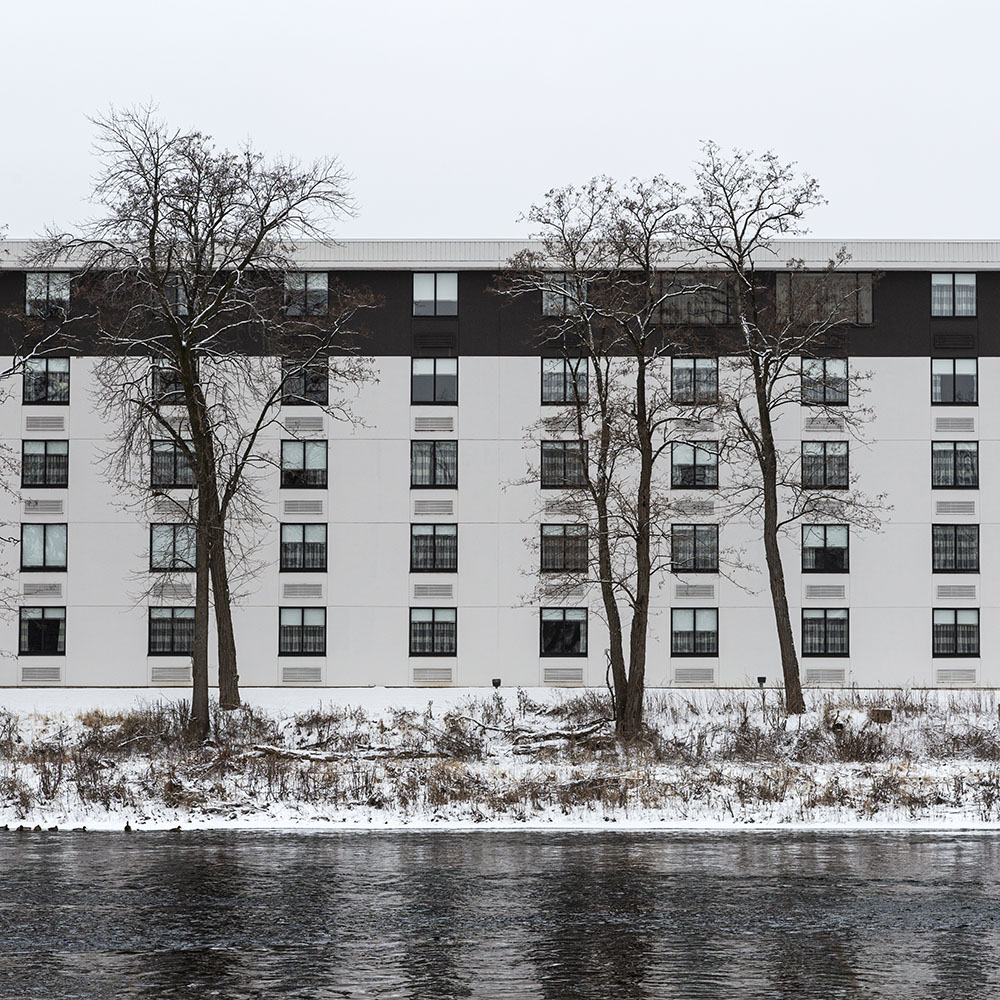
(490, 325)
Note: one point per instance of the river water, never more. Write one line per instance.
(480, 914)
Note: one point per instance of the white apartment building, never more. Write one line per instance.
(407, 549)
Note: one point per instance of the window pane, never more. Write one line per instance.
(965, 295)
(32, 544)
(423, 294)
(55, 545)
(422, 386)
(941, 287)
(447, 293)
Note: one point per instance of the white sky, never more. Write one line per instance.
(454, 116)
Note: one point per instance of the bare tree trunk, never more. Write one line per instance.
(229, 680)
(199, 724)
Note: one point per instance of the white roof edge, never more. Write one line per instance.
(417, 255)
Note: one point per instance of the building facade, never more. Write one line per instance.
(407, 548)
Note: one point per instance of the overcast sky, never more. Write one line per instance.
(454, 116)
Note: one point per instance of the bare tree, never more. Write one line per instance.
(193, 295)
(786, 327)
(603, 272)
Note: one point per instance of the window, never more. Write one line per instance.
(169, 465)
(43, 547)
(176, 294)
(824, 465)
(694, 632)
(173, 546)
(303, 548)
(46, 382)
(955, 548)
(824, 548)
(434, 380)
(45, 463)
(955, 465)
(564, 464)
(435, 293)
(303, 465)
(433, 631)
(42, 632)
(563, 632)
(693, 299)
(825, 632)
(564, 380)
(46, 294)
(305, 383)
(956, 632)
(433, 463)
(694, 548)
(953, 295)
(559, 297)
(306, 293)
(695, 465)
(433, 548)
(823, 299)
(166, 383)
(564, 548)
(824, 381)
(694, 380)
(171, 631)
(302, 632)
(954, 380)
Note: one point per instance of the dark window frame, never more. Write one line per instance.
(559, 546)
(51, 382)
(176, 634)
(676, 564)
(300, 634)
(295, 478)
(954, 529)
(56, 306)
(439, 551)
(826, 484)
(954, 382)
(951, 314)
(955, 654)
(173, 567)
(437, 299)
(811, 612)
(827, 396)
(434, 467)
(435, 636)
(697, 398)
(846, 568)
(693, 632)
(434, 382)
(583, 638)
(48, 470)
(297, 302)
(570, 374)
(166, 385)
(283, 566)
(45, 526)
(179, 460)
(314, 377)
(954, 484)
(565, 481)
(23, 632)
(555, 304)
(677, 473)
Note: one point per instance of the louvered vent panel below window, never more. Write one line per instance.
(433, 424)
(39, 589)
(39, 507)
(955, 507)
(966, 341)
(825, 591)
(38, 674)
(556, 591)
(562, 675)
(694, 676)
(556, 508)
(425, 508)
(301, 675)
(695, 591)
(956, 592)
(166, 674)
(428, 590)
(699, 507)
(697, 427)
(46, 424)
(432, 675)
(303, 590)
(303, 507)
(824, 424)
(174, 510)
(956, 676)
(955, 425)
(304, 425)
(826, 676)
(170, 590)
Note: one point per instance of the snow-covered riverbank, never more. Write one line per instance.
(451, 758)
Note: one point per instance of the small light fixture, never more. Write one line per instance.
(496, 682)
(761, 681)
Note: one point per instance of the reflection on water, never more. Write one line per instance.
(530, 915)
